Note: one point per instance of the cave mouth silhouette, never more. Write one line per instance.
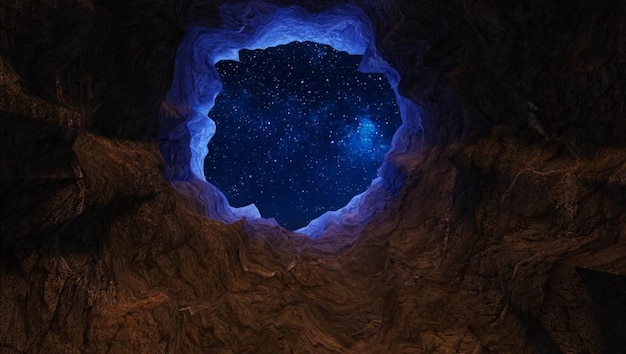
(186, 128)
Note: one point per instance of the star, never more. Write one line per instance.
(299, 131)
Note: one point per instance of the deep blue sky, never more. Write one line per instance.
(299, 130)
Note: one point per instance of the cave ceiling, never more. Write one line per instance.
(508, 234)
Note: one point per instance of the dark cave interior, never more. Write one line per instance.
(499, 224)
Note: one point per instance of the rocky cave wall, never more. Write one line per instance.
(509, 235)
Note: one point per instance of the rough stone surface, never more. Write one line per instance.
(509, 236)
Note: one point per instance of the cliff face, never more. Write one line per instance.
(509, 235)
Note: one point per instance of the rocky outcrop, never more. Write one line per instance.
(508, 236)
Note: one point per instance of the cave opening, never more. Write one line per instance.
(299, 130)
(196, 84)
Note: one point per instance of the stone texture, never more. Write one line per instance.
(509, 235)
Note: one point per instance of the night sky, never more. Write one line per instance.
(299, 130)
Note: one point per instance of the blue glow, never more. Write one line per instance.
(365, 137)
(187, 129)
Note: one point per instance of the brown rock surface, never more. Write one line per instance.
(509, 236)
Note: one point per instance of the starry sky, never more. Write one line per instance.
(299, 130)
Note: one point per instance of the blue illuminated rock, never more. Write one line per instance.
(196, 84)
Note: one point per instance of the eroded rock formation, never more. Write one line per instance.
(508, 236)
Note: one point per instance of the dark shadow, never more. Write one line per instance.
(608, 294)
(537, 336)
(87, 233)
(466, 192)
(615, 192)
(31, 148)
(27, 205)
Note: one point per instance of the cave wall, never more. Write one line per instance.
(509, 235)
